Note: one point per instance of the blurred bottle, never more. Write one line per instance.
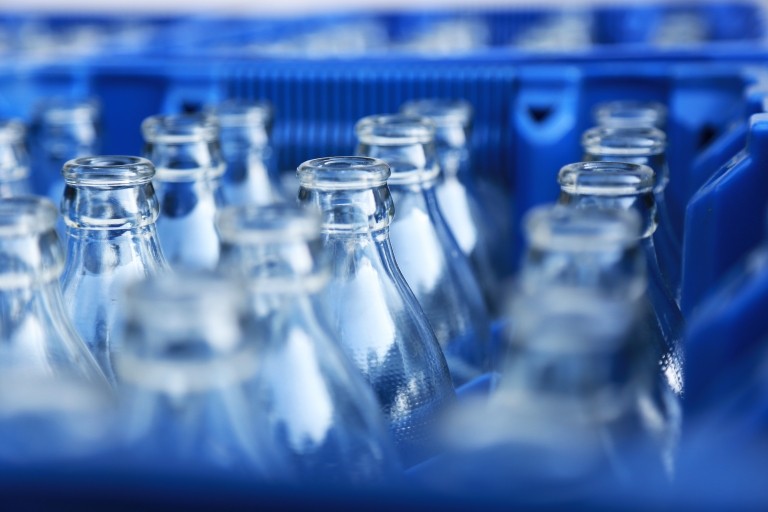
(370, 309)
(643, 145)
(187, 369)
(36, 335)
(472, 228)
(62, 129)
(185, 151)
(631, 114)
(14, 162)
(246, 127)
(431, 260)
(321, 411)
(110, 209)
(631, 187)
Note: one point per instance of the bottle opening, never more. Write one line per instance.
(235, 113)
(278, 223)
(624, 142)
(113, 170)
(630, 113)
(343, 172)
(395, 130)
(561, 228)
(606, 178)
(442, 112)
(26, 215)
(180, 128)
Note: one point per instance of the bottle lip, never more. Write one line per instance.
(180, 128)
(237, 113)
(269, 224)
(343, 173)
(606, 178)
(562, 228)
(12, 131)
(630, 113)
(395, 130)
(442, 112)
(26, 215)
(624, 142)
(108, 170)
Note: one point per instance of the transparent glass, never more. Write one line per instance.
(435, 268)
(455, 190)
(185, 151)
(251, 177)
(110, 209)
(631, 114)
(62, 129)
(369, 307)
(36, 335)
(322, 413)
(647, 146)
(14, 162)
(631, 187)
(187, 369)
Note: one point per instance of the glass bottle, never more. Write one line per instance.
(631, 187)
(62, 129)
(277, 251)
(460, 206)
(372, 313)
(435, 268)
(14, 163)
(185, 151)
(36, 335)
(643, 145)
(110, 209)
(251, 177)
(187, 365)
(631, 114)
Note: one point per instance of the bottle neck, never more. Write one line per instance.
(644, 203)
(351, 213)
(656, 161)
(109, 208)
(411, 163)
(30, 261)
(197, 160)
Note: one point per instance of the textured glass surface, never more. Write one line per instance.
(185, 151)
(371, 311)
(109, 208)
(435, 268)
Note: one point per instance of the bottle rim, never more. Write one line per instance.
(180, 128)
(237, 113)
(563, 228)
(630, 113)
(395, 130)
(26, 215)
(625, 142)
(108, 170)
(343, 173)
(442, 112)
(606, 178)
(268, 224)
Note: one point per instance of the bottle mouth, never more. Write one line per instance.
(278, 223)
(110, 170)
(65, 111)
(442, 112)
(26, 215)
(242, 114)
(624, 142)
(343, 173)
(630, 113)
(585, 230)
(180, 128)
(12, 131)
(606, 178)
(395, 130)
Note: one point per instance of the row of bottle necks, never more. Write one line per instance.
(400, 221)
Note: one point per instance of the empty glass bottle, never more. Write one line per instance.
(631, 114)
(186, 368)
(62, 129)
(110, 209)
(36, 335)
(456, 195)
(14, 163)
(428, 255)
(643, 145)
(370, 309)
(631, 187)
(185, 151)
(251, 177)
(322, 413)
